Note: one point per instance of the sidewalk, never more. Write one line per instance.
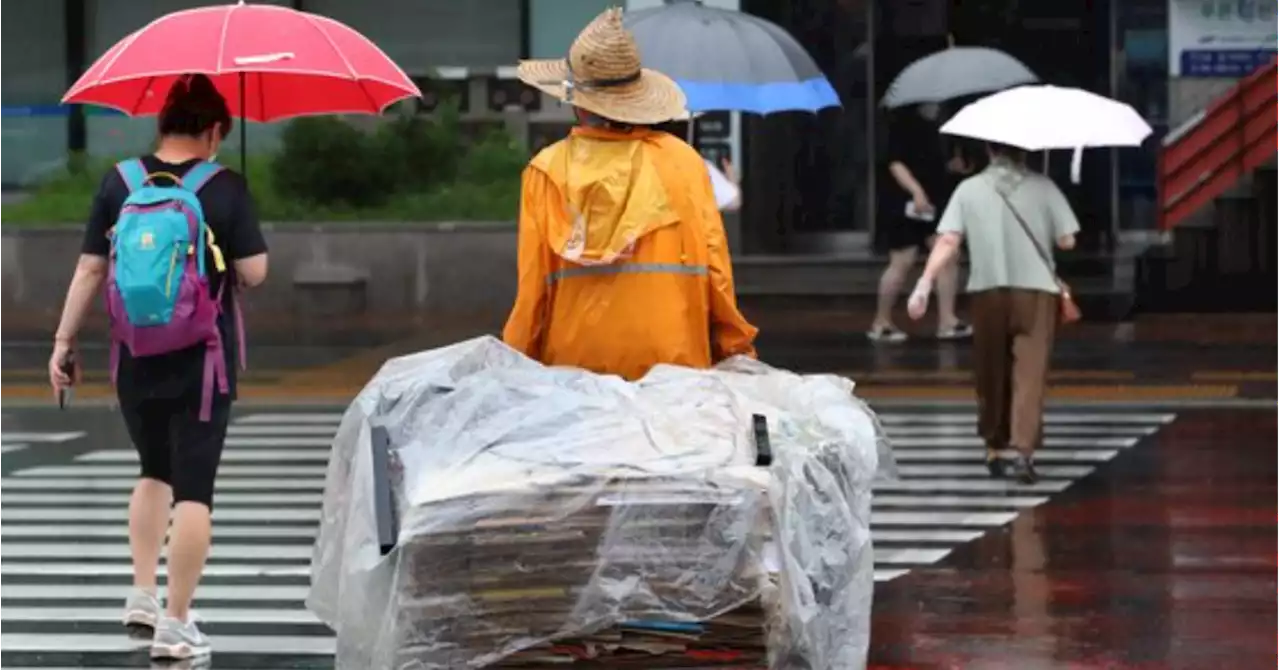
(1165, 358)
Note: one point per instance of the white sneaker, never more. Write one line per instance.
(179, 641)
(141, 609)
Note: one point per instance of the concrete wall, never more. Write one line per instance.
(410, 274)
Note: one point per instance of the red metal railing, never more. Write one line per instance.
(1213, 150)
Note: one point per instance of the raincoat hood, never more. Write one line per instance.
(611, 194)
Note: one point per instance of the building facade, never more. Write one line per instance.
(811, 181)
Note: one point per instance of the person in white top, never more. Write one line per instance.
(725, 183)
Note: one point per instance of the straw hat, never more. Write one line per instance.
(603, 75)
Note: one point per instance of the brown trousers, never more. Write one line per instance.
(1012, 339)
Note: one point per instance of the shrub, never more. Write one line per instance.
(421, 151)
(327, 161)
(494, 158)
(411, 168)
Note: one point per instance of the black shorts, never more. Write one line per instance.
(903, 233)
(175, 446)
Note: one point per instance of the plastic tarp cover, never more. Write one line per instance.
(645, 495)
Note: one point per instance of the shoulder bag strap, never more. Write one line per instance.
(1022, 223)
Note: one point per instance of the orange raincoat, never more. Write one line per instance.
(623, 263)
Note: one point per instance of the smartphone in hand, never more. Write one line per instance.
(69, 369)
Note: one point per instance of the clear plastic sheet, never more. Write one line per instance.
(540, 503)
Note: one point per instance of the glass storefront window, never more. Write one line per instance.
(808, 175)
(1142, 47)
(34, 76)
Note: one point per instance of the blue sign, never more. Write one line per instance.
(1226, 63)
(45, 111)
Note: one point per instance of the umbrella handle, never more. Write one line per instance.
(244, 131)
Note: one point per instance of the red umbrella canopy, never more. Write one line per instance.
(294, 64)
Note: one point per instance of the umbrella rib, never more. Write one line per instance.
(373, 104)
(222, 46)
(142, 95)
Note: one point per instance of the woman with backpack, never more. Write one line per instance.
(172, 236)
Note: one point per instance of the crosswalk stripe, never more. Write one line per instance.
(292, 418)
(938, 518)
(59, 592)
(930, 501)
(265, 486)
(275, 500)
(267, 645)
(65, 436)
(125, 569)
(928, 536)
(269, 429)
(941, 484)
(1050, 418)
(888, 417)
(1052, 430)
(127, 484)
(265, 515)
(213, 615)
(219, 551)
(893, 429)
(216, 570)
(903, 454)
(314, 474)
(6, 448)
(965, 485)
(910, 556)
(975, 442)
(1042, 456)
(105, 499)
(220, 531)
(281, 552)
(283, 521)
(67, 523)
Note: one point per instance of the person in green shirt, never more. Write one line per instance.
(1011, 218)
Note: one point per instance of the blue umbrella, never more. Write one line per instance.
(729, 61)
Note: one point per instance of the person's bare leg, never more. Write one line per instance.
(891, 282)
(148, 521)
(188, 549)
(947, 287)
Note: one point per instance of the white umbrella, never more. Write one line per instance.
(1038, 118)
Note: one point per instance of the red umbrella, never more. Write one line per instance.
(269, 62)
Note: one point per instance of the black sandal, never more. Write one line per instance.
(996, 466)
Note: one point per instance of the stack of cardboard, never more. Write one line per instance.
(556, 558)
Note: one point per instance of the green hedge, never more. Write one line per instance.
(411, 168)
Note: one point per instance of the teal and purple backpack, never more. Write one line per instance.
(157, 290)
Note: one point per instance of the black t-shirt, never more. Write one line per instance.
(230, 213)
(915, 143)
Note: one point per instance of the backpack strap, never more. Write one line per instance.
(199, 175)
(133, 172)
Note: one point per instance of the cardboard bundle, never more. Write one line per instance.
(526, 574)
